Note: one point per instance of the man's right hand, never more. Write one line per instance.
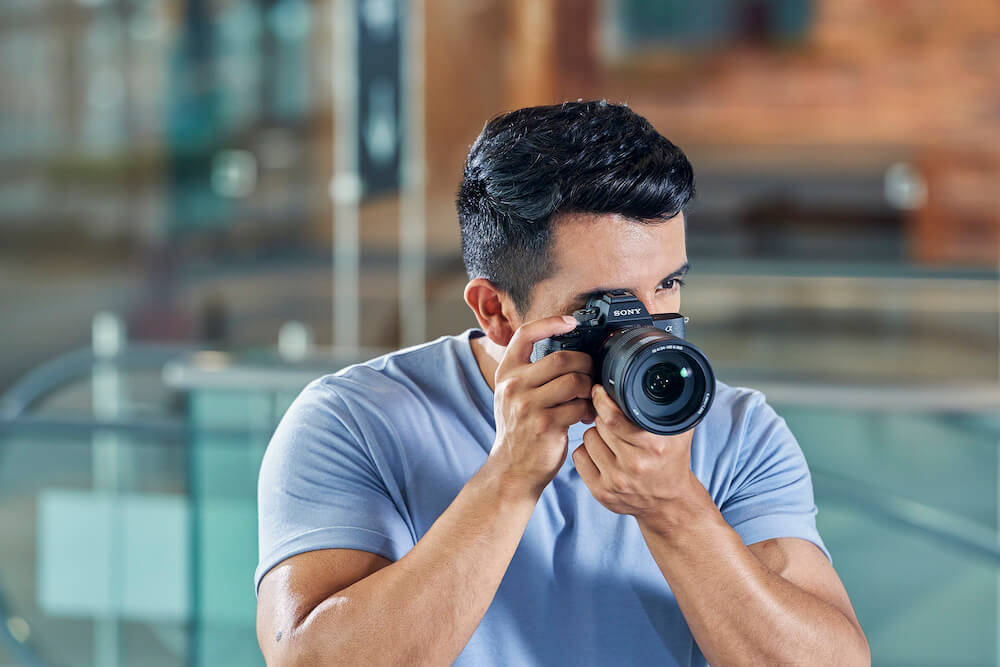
(536, 403)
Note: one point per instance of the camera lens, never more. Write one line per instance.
(664, 382)
(661, 382)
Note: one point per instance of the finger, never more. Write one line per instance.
(564, 388)
(599, 452)
(519, 348)
(614, 442)
(558, 363)
(589, 473)
(612, 415)
(571, 412)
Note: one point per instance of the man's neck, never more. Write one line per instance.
(488, 355)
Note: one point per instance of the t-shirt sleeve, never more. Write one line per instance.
(320, 488)
(771, 493)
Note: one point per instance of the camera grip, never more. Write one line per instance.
(543, 347)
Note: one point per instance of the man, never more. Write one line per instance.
(452, 502)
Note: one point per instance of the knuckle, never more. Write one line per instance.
(543, 423)
(573, 388)
(518, 407)
(636, 466)
(508, 390)
(561, 361)
(582, 363)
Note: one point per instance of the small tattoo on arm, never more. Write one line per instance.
(278, 636)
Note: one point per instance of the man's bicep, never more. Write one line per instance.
(771, 493)
(320, 487)
(804, 564)
(294, 587)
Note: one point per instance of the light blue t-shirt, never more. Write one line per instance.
(369, 458)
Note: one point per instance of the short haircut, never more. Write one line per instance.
(529, 165)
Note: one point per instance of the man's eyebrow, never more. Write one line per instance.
(598, 291)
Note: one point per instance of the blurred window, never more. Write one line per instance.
(641, 25)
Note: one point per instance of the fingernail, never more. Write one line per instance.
(569, 319)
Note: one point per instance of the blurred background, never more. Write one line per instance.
(204, 204)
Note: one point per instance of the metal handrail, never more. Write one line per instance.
(66, 368)
(140, 427)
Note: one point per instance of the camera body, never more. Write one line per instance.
(612, 313)
(660, 381)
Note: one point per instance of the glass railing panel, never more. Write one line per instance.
(230, 433)
(908, 505)
(919, 600)
(95, 555)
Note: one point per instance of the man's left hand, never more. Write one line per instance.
(628, 469)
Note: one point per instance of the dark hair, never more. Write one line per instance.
(529, 165)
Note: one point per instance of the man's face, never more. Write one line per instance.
(594, 253)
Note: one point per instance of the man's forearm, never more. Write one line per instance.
(739, 611)
(424, 608)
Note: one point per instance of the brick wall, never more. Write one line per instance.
(919, 79)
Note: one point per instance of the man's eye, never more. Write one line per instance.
(670, 284)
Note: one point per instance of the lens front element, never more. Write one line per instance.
(664, 382)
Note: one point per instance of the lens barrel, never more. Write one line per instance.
(663, 383)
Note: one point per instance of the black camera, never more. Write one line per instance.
(662, 382)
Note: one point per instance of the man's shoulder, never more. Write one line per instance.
(739, 416)
(417, 360)
(400, 376)
(740, 436)
(734, 402)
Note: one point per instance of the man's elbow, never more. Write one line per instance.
(848, 647)
(288, 642)
(834, 644)
(283, 649)
(862, 650)
(332, 633)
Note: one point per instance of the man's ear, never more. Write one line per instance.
(493, 310)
